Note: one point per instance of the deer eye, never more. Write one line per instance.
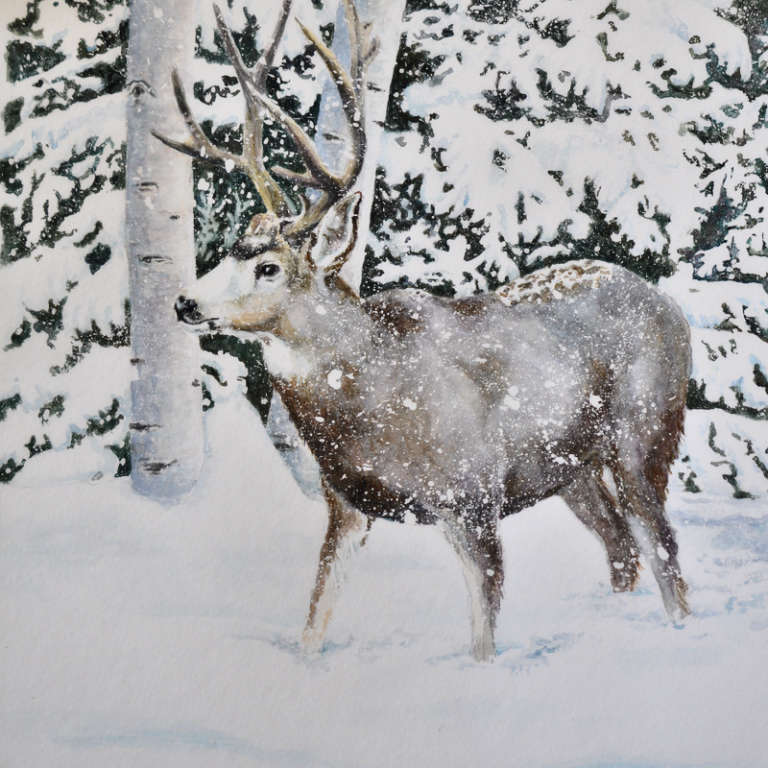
(270, 269)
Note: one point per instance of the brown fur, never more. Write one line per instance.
(393, 316)
(664, 450)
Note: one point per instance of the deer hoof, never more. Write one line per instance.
(312, 641)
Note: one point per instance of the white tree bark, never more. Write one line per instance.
(166, 420)
(386, 17)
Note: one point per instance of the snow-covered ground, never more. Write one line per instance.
(141, 635)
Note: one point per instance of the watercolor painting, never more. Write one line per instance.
(384, 383)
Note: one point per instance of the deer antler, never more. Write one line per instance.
(251, 160)
(317, 175)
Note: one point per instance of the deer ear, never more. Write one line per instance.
(338, 235)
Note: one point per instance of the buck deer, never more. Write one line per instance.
(570, 381)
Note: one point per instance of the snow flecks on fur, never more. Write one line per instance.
(562, 281)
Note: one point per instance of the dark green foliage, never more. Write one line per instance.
(11, 167)
(257, 386)
(207, 398)
(106, 419)
(83, 341)
(601, 241)
(93, 10)
(730, 269)
(8, 404)
(49, 321)
(15, 244)
(688, 476)
(65, 92)
(245, 39)
(412, 6)
(557, 31)
(89, 237)
(105, 167)
(759, 377)
(20, 335)
(25, 25)
(572, 106)
(98, 257)
(9, 469)
(34, 447)
(675, 91)
(123, 453)
(90, 167)
(754, 327)
(697, 398)
(105, 41)
(398, 207)
(54, 407)
(222, 212)
(504, 102)
(752, 17)
(492, 11)
(605, 241)
(713, 230)
(12, 114)
(714, 132)
(414, 65)
(729, 477)
(26, 59)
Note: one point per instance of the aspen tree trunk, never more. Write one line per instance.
(166, 420)
(331, 139)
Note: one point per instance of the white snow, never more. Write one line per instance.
(143, 635)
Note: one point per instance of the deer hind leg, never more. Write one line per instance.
(639, 498)
(478, 546)
(346, 533)
(592, 502)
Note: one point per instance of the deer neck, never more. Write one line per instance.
(316, 331)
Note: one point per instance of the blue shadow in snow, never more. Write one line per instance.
(736, 532)
(189, 737)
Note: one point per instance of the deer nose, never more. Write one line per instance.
(187, 310)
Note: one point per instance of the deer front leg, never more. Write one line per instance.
(476, 541)
(347, 531)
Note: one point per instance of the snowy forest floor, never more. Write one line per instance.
(141, 635)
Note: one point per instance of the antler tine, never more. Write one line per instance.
(198, 145)
(318, 174)
(258, 105)
(355, 46)
(350, 100)
(372, 45)
(251, 127)
(350, 88)
(244, 77)
(268, 56)
(252, 157)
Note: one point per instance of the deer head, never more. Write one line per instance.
(284, 253)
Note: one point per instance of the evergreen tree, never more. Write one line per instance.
(527, 135)
(65, 325)
(518, 135)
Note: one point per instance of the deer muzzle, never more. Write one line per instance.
(188, 311)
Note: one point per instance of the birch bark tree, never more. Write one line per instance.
(166, 421)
